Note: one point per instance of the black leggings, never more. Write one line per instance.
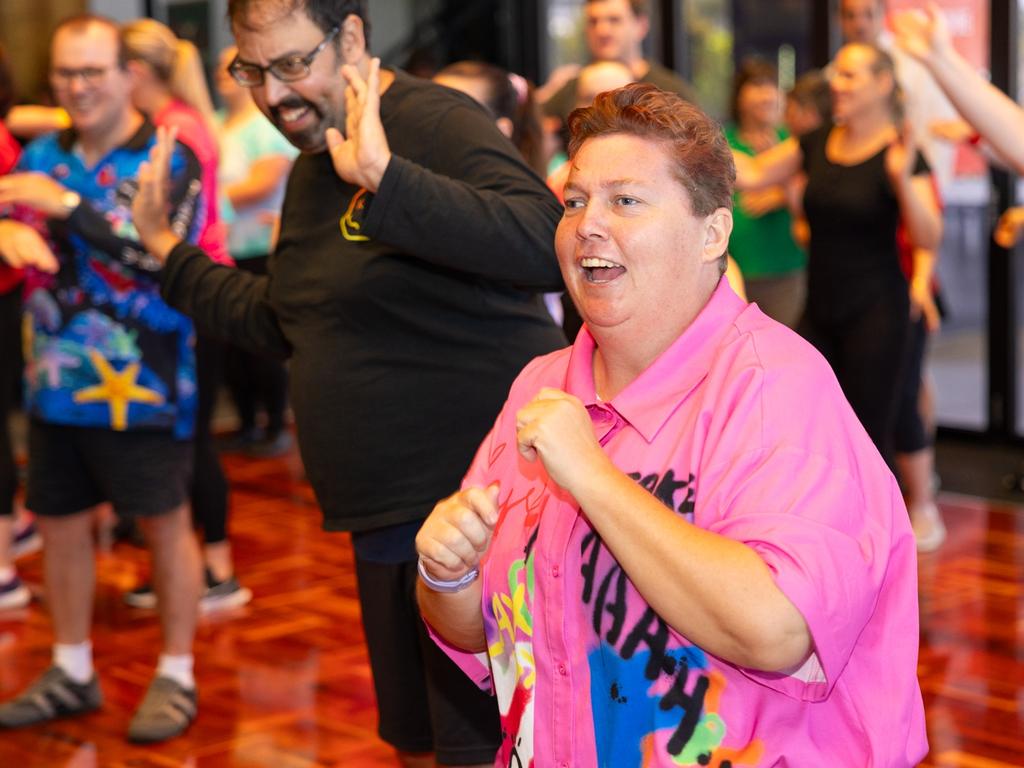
(910, 435)
(866, 350)
(209, 485)
(10, 377)
(256, 380)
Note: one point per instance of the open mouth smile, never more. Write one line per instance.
(598, 270)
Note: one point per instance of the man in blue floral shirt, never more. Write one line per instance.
(110, 375)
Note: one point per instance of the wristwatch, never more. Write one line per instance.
(69, 201)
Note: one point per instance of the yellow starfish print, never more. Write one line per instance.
(119, 389)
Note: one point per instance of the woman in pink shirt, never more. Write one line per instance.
(677, 546)
(171, 90)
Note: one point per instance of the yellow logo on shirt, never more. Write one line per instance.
(349, 226)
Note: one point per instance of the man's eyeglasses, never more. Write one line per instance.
(63, 77)
(287, 69)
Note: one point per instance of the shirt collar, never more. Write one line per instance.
(138, 140)
(648, 401)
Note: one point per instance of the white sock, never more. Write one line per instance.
(7, 574)
(178, 668)
(75, 659)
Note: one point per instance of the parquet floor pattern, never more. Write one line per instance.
(284, 681)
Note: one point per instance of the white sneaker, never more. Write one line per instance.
(929, 530)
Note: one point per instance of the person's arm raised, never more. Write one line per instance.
(994, 115)
(224, 302)
(476, 209)
(723, 599)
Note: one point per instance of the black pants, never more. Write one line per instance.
(866, 349)
(910, 435)
(10, 378)
(255, 380)
(209, 485)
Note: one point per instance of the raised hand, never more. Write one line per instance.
(150, 208)
(362, 155)
(21, 246)
(922, 34)
(457, 533)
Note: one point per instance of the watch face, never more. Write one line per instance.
(70, 200)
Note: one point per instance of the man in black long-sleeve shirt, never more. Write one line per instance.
(405, 289)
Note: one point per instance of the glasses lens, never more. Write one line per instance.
(290, 69)
(246, 74)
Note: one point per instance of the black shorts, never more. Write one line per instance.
(426, 703)
(71, 469)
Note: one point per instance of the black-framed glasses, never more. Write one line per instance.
(287, 69)
(63, 76)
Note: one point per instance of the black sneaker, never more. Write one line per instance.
(167, 709)
(52, 695)
(142, 596)
(221, 595)
(273, 446)
(218, 596)
(14, 594)
(26, 541)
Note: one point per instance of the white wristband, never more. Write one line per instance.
(446, 586)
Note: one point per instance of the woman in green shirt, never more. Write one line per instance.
(762, 241)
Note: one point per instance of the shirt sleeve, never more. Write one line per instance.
(121, 242)
(478, 209)
(476, 666)
(827, 551)
(224, 302)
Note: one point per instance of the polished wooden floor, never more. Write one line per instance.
(284, 682)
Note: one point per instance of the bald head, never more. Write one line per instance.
(599, 77)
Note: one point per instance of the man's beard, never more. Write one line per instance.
(308, 139)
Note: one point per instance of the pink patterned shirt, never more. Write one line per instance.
(741, 428)
(196, 135)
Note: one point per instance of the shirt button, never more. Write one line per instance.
(563, 764)
(555, 571)
(562, 670)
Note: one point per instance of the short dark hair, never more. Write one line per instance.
(811, 89)
(701, 156)
(509, 96)
(81, 21)
(640, 8)
(326, 14)
(753, 70)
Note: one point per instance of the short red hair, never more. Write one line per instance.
(702, 158)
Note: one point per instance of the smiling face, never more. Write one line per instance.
(87, 80)
(635, 257)
(303, 109)
(614, 32)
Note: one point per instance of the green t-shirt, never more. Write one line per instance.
(762, 246)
